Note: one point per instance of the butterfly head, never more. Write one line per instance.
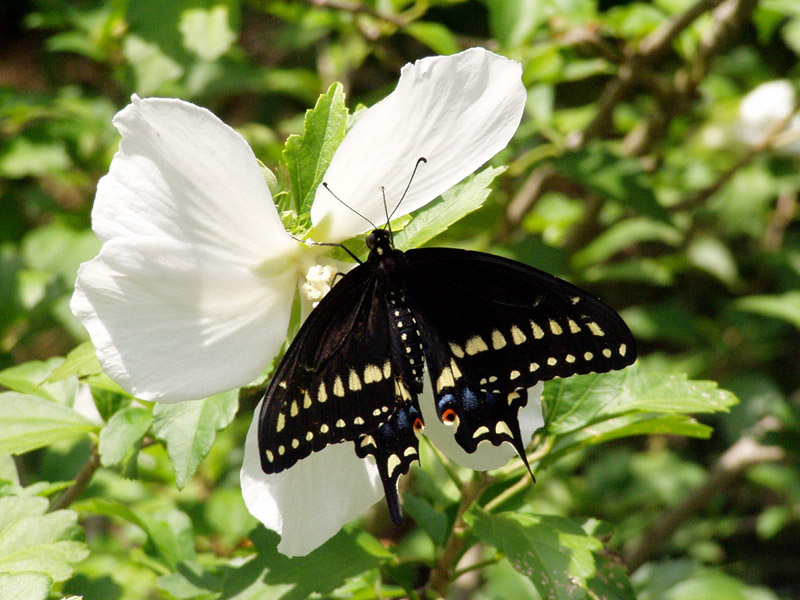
(380, 241)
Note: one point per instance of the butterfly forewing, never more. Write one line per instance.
(336, 381)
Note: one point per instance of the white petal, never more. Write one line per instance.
(310, 502)
(182, 174)
(487, 456)
(457, 111)
(172, 321)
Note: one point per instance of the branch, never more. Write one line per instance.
(769, 140)
(359, 8)
(82, 481)
(744, 454)
(650, 50)
(442, 573)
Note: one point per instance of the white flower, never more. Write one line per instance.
(765, 106)
(192, 290)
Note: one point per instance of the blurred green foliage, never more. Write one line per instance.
(630, 175)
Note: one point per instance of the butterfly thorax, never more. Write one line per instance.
(407, 344)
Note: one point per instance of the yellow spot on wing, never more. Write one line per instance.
(517, 335)
(281, 422)
(595, 329)
(538, 332)
(555, 328)
(457, 350)
(445, 380)
(573, 327)
(498, 341)
(322, 396)
(476, 344)
(392, 463)
(372, 374)
(338, 387)
(354, 382)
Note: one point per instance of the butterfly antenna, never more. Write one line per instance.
(420, 160)
(388, 225)
(325, 185)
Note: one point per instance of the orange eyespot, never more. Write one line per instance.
(418, 424)
(449, 416)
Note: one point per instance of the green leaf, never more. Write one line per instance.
(435, 36)
(555, 553)
(28, 422)
(434, 522)
(617, 178)
(151, 66)
(8, 470)
(627, 426)
(109, 508)
(121, 438)
(25, 586)
(189, 429)
(513, 21)
(171, 532)
(458, 201)
(31, 378)
(81, 361)
(23, 158)
(31, 539)
(781, 306)
(576, 402)
(207, 32)
(192, 582)
(270, 574)
(308, 156)
(623, 235)
(685, 580)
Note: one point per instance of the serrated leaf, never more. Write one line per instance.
(272, 575)
(308, 156)
(29, 422)
(575, 402)
(555, 553)
(25, 586)
(189, 429)
(627, 426)
(31, 378)
(121, 438)
(458, 201)
(31, 539)
(81, 361)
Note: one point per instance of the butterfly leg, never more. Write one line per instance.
(394, 446)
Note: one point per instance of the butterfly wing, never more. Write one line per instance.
(341, 380)
(496, 327)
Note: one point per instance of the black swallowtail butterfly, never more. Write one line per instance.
(487, 328)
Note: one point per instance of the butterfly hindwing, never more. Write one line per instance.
(496, 327)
